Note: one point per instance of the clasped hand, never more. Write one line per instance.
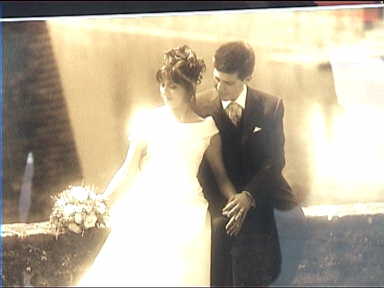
(236, 210)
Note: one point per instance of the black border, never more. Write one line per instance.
(20, 9)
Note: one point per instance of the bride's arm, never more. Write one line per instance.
(127, 172)
(215, 160)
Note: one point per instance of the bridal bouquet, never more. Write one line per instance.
(79, 208)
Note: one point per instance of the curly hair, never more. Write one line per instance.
(235, 57)
(181, 66)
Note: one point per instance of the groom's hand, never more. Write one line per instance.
(239, 203)
(237, 209)
(235, 223)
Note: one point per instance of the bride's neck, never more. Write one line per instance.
(183, 113)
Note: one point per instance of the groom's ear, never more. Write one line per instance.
(247, 79)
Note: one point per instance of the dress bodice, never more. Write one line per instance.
(173, 149)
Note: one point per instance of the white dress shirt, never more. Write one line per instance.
(239, 100)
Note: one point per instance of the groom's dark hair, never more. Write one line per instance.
(235, 57)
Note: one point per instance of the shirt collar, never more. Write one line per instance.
(239, 100)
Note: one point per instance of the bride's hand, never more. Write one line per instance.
(105, 197)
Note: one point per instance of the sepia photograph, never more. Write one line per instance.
(210, 148)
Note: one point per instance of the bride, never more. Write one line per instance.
(161, 231)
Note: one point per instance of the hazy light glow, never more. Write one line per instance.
(348, 160)
(343, 210)
(160, 216)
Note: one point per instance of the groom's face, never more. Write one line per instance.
(228, 85)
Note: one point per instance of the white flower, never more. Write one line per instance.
(90, 220)
(78, 218)
(77, 208)
(60, 202)
(74, 227)
(100, 208)
(92, 195)
(88, 208)
(69, 210)
(107, 221)
(101, 197)
(79, 193)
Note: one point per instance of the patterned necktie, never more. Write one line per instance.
(234, 112)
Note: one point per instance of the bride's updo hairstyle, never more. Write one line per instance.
(181, 66)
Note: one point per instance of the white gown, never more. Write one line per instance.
(161, 233)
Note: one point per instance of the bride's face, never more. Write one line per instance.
(173, 94)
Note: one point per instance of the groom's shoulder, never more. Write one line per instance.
(263, 96)
(269, 102)
(207, 102)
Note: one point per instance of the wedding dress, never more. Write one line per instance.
(161, 232)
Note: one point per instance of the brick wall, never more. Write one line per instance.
(35, 120)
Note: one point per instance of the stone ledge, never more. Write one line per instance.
(345, 250)
(35, 255)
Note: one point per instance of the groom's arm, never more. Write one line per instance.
(268, 183)
(215, 160)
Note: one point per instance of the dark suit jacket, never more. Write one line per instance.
(253, 156)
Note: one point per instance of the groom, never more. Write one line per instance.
(245, 244)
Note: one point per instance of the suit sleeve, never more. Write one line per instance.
(268, 184)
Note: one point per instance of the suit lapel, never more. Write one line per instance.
(252, 115)
(222, 120)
